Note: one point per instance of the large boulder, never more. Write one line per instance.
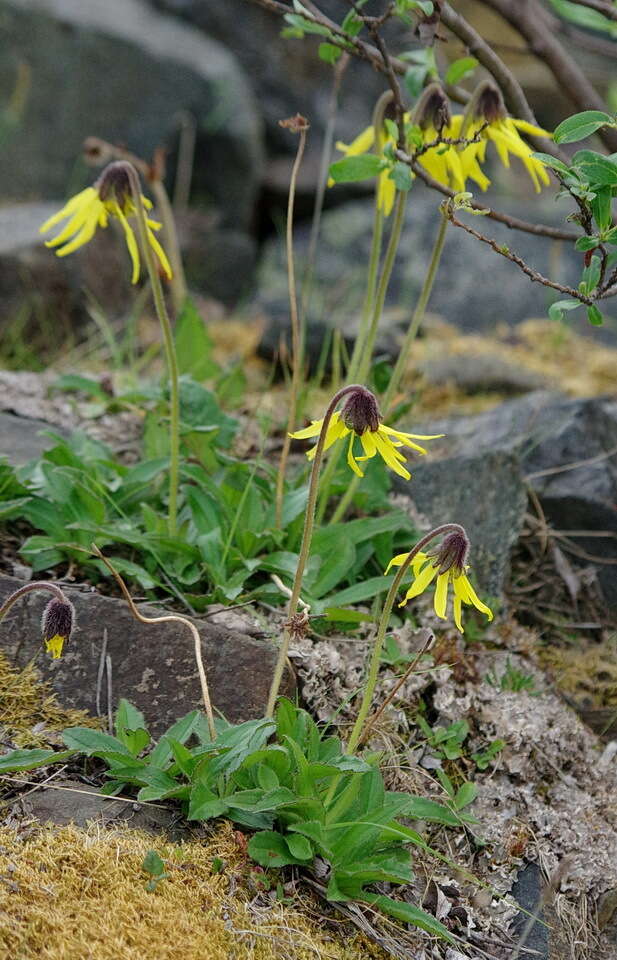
(475, 289)
(564, 449)
(153, 666)
(124, 72)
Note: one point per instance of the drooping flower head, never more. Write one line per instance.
(432, 115)
(360, 419)
(487, 109)
(57, 625)
(112, 196)
(447, 563)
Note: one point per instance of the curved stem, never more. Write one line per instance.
(309, 519)
(296, 333)
(30, 588)
(384, 619)
(170, 351)
(168, 618)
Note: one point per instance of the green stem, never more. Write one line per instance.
(178, 279)
(401, 363)
(418, 316)
(170, 350)
(384, 620)
(309, 519)
(296, 333)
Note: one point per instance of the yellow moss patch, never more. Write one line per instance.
(26, 700)
(70, 894)
(588, 671)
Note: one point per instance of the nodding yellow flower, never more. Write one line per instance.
(386, 189)
(91, 208)
(487, 107)
(57, 625)
(432, 115)
(447, 564)
(360, 418)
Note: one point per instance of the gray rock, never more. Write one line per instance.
(481, 373)
(475, 289)
(483, 492)
(121, 71)
(565, 449)
(70, 801)
(22, 439)
(528, 891)
(152, 666)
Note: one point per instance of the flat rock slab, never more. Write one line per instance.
(23, 439)
(152, 666)
(565, 449)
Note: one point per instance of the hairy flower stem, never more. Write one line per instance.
(29, 588)
(371, 681)
(170, 350)
(168, 618)
(296, 332)
(369, 298)
(403, 357)
(309, 519)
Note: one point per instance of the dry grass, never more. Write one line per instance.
(68, 893)
(29, 710)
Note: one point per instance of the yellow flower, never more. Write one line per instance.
(360, 419)
(386, 190)
(91, 208)
(448, 566)
(487, 107)
(57, 625)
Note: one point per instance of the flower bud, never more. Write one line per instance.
(360, 412)
(487, 103)
(114, 182)
(452, 552)
(432, 109)
(57, 625)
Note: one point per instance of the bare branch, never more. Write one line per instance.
(528, 18)
(514, 258)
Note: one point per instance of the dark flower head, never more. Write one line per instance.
(488, 103)
(360, 412)
(57, 625)
(433, 108)
(452, 552)
(114, 183)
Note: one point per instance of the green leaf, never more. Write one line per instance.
(131, 727)
(266, 777)
(465, 795)
(18, 760)
(365, 590)
(153, 864)
(420, 808)
(299, 846)
(594, 316)
(587, 243)
(601, 206)
(581, 125)
(557, 310)
(329, 53)
(595, 168)
(407, 913)
(351, 169)
(402, 176)
(90, 741)
(460, 69)
(181, 730)
(269, 849)
(302, 26)
(204, 804)
(193, 344)
(550, 161)
(414, 80)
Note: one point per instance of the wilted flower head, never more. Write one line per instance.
(57, 625)
(360, 418)
(486, 115)
(448, 564)
(111, 195)
(432, 114)
(432, 110)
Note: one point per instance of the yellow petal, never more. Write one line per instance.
(84, 236)
(363, 142)
(391, 457)
(396, 561)
(67, 209)
(307, 432)
(468, 595)
(54, 646)
(530, 128)
(131, 242)
(386, 192)
(458, 613)
(162, 256)
(441, 595)
(350, 457)
(422, 581)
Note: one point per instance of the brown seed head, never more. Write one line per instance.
(488, 103)
(452, 552)
(114, 182)
(296, 124)
(360, 412)
(433, 108)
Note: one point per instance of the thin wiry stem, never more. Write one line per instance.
(309, 519)
(168, 618)
(170, 350)
(296, 333)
